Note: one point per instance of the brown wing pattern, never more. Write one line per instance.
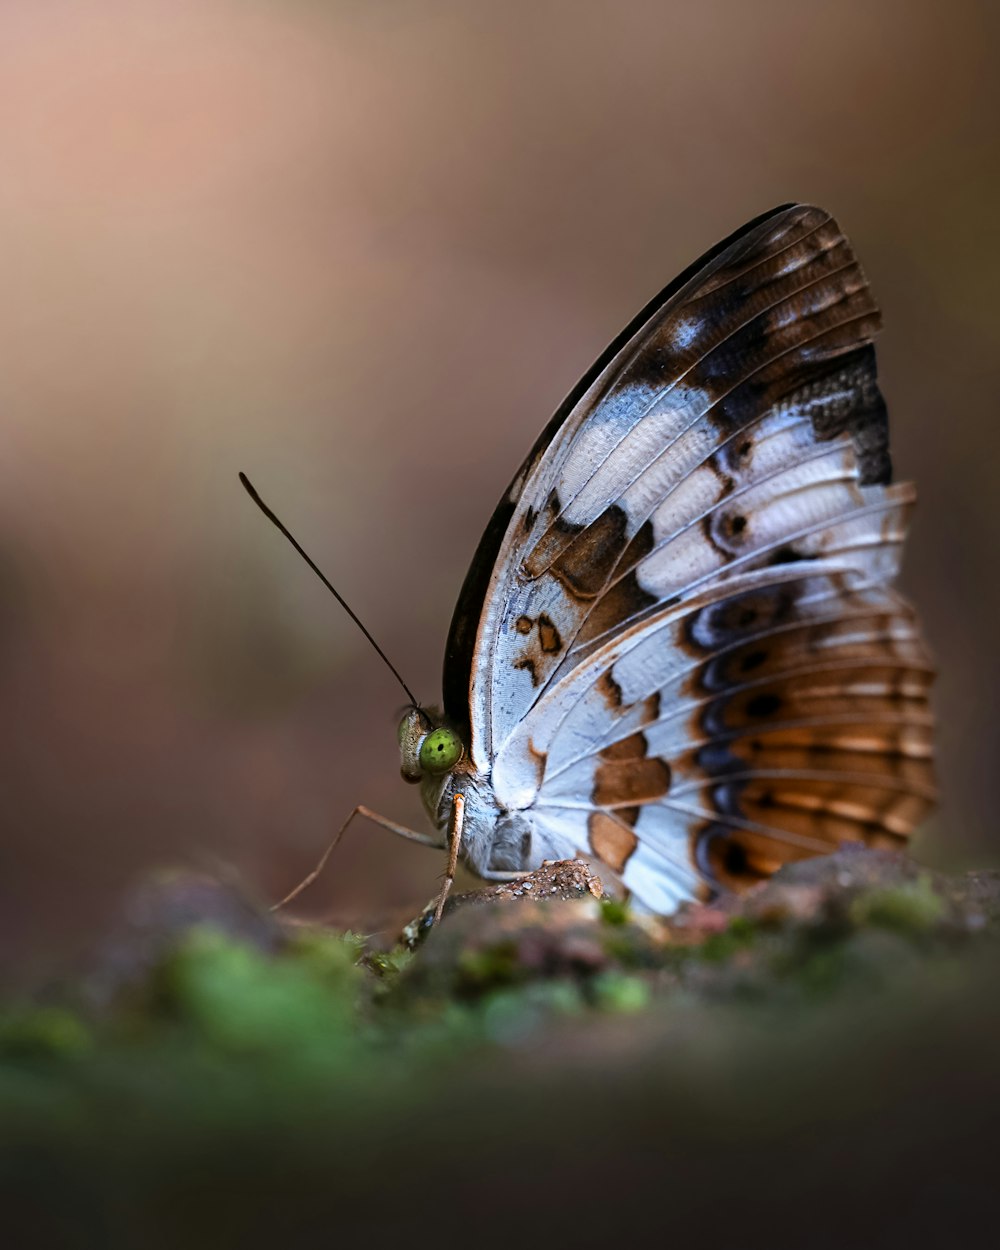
(689, 658)
(809, 733)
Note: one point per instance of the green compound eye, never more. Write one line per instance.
(440, 750)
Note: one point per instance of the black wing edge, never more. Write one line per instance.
(465, 621)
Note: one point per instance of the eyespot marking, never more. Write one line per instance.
(762, 705)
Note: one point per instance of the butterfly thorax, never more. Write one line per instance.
(495, 839)
(492, 839)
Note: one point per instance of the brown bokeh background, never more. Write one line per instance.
(361, 251)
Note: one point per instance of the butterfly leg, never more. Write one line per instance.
(411, 834)
(454, 843)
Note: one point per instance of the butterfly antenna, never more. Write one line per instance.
(252, 492)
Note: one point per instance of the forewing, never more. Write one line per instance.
(749, 380)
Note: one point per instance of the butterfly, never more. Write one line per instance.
(678, 650)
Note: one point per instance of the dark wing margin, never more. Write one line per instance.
(461, 643)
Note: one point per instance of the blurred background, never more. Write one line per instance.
(361, 252)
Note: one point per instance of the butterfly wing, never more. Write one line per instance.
(678, 647)
(765, 719)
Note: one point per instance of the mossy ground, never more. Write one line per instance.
(216, 1077)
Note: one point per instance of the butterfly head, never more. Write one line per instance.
(425, 748)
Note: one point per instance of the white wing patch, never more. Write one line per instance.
(600, 470)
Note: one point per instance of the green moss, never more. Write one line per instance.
(719, 947)
(619, 992)
(742, 928)
(913, 907)
(615, 912)
(494, 965)
(818, 970)
(288, 1026)
(387, 965)
(35, 1032)
(512, 1016)
(332, 957)
(241, 1000)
